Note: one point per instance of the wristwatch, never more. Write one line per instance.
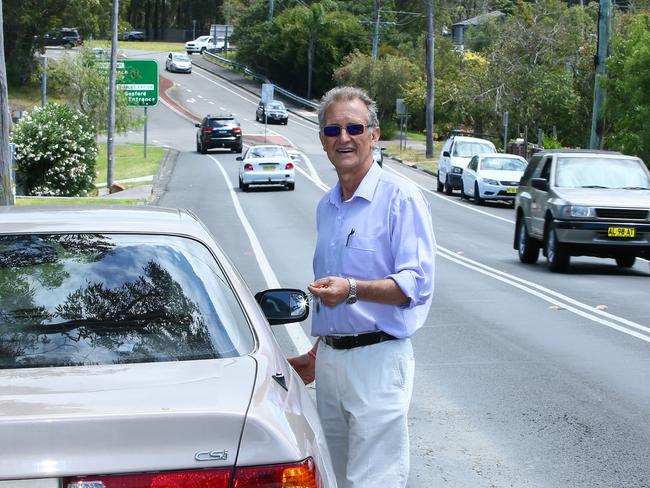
(352, 296)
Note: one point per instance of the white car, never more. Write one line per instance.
(178, 63)
(266, 164)
(492, 177)
(202, 44)
(133, 354)
(454, 158)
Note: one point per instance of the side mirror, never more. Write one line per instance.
(283, 305)
(239, 158)
(197, 125)
(540, 184)
(446, 154)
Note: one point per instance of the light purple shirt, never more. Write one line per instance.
(392, 238)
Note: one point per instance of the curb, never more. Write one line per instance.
(162, 177)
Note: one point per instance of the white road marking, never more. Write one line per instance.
(190, 100)
(296, 334)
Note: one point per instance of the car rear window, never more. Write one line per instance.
(585, 172)
(267, 152)
(221, 122)
(89, 299)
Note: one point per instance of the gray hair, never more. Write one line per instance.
(348, 93)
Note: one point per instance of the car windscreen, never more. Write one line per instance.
(503, 164)
(180, 57)
(591, 172)
(468, 149)
(276, 106)
(90, 299)
(266, 152)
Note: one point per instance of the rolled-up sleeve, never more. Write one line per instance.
(414, 249)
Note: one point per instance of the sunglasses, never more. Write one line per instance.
(351, 129)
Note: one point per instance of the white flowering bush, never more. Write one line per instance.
(55, 152)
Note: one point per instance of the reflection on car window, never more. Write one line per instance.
(87, 299)
(267, 152)
(601, 172)
(503, 164)
(466, 149)
(276, 106)
(220, 122)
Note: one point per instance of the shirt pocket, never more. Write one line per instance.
(359, 257)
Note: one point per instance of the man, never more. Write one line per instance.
(374, 268)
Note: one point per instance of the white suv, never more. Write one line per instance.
(455, 156)
(202, 44)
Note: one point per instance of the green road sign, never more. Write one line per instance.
(139, 80)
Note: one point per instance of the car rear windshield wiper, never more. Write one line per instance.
(595, 186)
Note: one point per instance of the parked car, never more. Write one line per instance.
(133, 354)
(133, 35)
(266, 164)
(580, 202)
(178, 63)
(67, 37)
(492, 177)
(455, 156)
(219, 130)
(103, 53)
(202, 44)
(277, 112)
(378, 155)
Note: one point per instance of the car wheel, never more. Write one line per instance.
(198, 147)
(625, 261)
(241, 184)
(463, 195)
(67, 45)
(291, 186)
(440, 186)
(238, 149)
(202, 50)
(244, 187)
(286, 122)
(204, 150)
(557, 255)
(477, 196)
(527, 248)
(448, 189)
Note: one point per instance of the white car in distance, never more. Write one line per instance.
(492, 177)
(266, 164)
(202, 44)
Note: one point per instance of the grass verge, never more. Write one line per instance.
(414, 155)
(129, 162)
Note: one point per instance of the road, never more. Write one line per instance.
(524, 378)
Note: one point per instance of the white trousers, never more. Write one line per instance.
(363, 396)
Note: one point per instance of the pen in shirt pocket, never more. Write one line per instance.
(350, 235)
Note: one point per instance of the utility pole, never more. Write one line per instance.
(430, 79)
(600, 93)
(270, 10)
(111, 96)
(375, 36)
(6, 191)
(44, 81)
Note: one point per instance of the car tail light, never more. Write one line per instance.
(295, 475)
(207, 130)
(236, 130)
(248, 167)
(206, 478)
(289, 166)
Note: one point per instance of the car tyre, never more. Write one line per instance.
(463, 195)
(477, 195)
(440, 186)
(527, 247)
(448, 189)
(204, 150)
(625, 261)
(198, 147)
(202, 51)
(291, 186)
(557, 255)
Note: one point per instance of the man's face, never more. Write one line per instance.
(345, 151)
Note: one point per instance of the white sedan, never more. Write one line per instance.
(132, 354)
(492, 176)
(178, 63)
(266, 164)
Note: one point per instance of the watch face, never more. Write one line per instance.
(351, 300)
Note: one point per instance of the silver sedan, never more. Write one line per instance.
(266, 164)
(132, 354)
(492, 176)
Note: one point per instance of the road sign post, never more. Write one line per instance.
(267, 97)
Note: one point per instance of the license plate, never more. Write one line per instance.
(511, 190)
(269, 168)
(621, 232)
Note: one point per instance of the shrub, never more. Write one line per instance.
(55, 152)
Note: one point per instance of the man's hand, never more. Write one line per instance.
(305, 366)
(331, 290)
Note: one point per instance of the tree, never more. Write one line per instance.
(628, 99)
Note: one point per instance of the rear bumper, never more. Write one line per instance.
(268, 177)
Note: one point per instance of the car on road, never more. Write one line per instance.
(583, 202)
(202, 44)
(178, 63)
(491, 176)
(68, 37)
(456, 153)
(266, 164)
(276, 112)
(133, 35)
(132, 354)
(219, 130)
(378, 155)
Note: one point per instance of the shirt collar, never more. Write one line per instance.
(366, 188)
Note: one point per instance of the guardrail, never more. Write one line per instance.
(247, 71)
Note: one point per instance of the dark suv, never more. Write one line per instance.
(66, 37)
(218, 130)
(276, 112)
(583, 203)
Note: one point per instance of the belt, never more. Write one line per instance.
(358, 340)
